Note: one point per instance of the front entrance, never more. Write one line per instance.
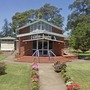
(43, 46)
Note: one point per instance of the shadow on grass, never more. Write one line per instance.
(3, 74)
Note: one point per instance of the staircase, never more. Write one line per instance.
(42, 59)
(51, 58)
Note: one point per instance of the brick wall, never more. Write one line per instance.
(25, 48)
(58, 48)
(24, 30)
(57, 30)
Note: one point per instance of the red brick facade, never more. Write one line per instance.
(58, 48)
(24, 30)
(57, 30)
(26, 47)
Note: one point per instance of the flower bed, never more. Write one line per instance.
(35, 77)
(61, 68)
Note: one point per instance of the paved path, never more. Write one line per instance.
(49, 80)
(10, 58)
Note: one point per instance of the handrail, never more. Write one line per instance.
(37, 54)
(49, 51)
(52, 53)
(34, 52)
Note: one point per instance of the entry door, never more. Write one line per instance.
(45, 48)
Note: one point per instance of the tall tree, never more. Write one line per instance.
(79, 24)
(6, 29)
(47, 12)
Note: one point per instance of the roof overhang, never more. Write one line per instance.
(7, 38)
(43, 39)
(36, 32)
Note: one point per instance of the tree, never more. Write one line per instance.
(80, 8)
(6, 29)
(21, 19)
(79, 24)
(80, 37)
(47, 12)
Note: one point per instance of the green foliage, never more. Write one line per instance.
(35, 80)
(80, 38)
(17, 77)
(80, 8)
(79, 24)
(48, 12)
(60, 66)
(2, 68)
(7, 29)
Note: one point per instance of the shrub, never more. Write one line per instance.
(62, 72)
(35, 77)
(60, 66)
(67, 78)
(35, 66)
(2, 68)
(35, 88)
(64, 75)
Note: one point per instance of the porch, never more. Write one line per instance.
(42, 59)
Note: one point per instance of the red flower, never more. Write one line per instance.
(73, 86)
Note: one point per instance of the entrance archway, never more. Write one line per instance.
(43, 46)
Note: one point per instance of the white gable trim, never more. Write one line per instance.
(40, 32)
(39, 21)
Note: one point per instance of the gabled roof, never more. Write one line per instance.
(7, 38)
(40, 32)
(39, 21)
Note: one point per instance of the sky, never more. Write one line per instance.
(8, 8)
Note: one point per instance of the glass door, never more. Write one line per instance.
(45, 48)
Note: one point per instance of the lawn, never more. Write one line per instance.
(17, 77)
(2, 57)
(80, 73)
(82, 53)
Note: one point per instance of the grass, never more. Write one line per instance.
(17, 77)
(81, 53)
(2, 57)
(80, 73)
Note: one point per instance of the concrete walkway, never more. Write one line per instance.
(49, 80)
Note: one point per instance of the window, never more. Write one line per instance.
(50, 45)
(34, 44)
(40, 26)
(31, 28)
(43, 26)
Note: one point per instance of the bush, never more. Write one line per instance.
(60, 66)
(2, 68)
(35, 77)
(67, 78)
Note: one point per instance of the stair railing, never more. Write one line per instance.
(50, 53)
(36, 53)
